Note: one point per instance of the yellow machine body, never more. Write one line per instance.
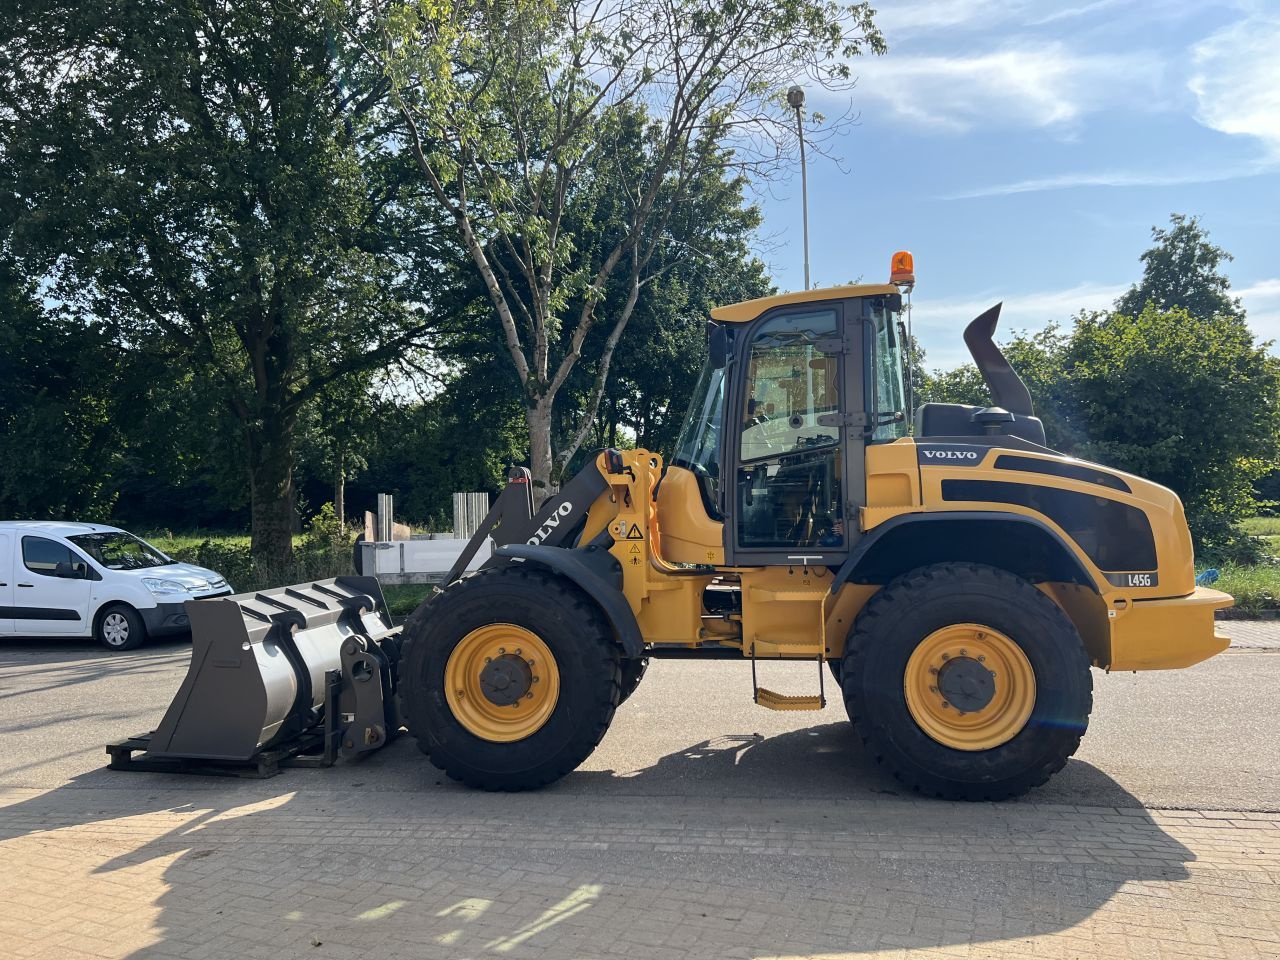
(666, 543)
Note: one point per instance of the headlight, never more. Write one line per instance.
(163, 587)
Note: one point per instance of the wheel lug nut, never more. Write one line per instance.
(945, 704)
(982, 658)
(933, 670)
(518, 651)
(528, 696)
(502, 650)
(488, 659)
(946, 656)
(964, 652)
(933, 689)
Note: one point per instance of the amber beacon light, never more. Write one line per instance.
(902, 269)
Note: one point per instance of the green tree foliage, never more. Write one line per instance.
(198, 177)
(519, 116)
(60, 411)
(1183, 270)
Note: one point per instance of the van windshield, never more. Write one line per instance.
(120, 551)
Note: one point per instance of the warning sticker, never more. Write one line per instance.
(635, 548)
(634, 532)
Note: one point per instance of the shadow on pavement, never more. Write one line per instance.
(738, 846)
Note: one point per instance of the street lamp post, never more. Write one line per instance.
(795, 97)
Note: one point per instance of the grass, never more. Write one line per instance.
(1262, 526)
(403, 600)
(1256, 589)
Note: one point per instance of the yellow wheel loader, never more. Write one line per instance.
(958, 579)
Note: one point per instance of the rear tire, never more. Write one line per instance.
(120, 627)
(1029, 732)
(475, 746)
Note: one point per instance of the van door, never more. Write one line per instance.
(46, 602)
(6, 584)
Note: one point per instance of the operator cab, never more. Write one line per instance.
(795, 388)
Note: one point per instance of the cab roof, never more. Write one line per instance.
(58, 528)
(750, 309)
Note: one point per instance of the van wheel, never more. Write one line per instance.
(120, 628)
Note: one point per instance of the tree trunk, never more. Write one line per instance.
(538, 419)
(270, 442)
(340, 493)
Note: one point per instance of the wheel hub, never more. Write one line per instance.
(966, 684)
(506, 679)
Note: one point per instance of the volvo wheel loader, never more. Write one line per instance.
(958, 579)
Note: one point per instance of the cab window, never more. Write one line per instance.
(43, 556)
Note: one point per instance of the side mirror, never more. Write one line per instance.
(717, 345)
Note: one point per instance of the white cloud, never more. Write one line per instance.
(938, 324)
(1237, 79)
(1115, 178)
(1039, 85)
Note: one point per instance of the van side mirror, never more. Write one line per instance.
(717, 345)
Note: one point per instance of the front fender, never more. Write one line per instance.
(597, 574)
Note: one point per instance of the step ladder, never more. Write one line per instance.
(781, 701)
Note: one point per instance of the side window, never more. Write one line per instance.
(789, 491)
(43, 556)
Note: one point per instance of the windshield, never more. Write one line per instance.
(120, 551)
(887, 365)
(698, 446)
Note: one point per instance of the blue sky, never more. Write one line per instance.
(1022, 150)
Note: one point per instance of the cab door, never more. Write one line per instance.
(6, 584)
(51, 589)
(794, 440)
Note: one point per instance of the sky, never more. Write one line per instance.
(1022, 150)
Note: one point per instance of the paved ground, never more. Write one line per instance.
(702, 827)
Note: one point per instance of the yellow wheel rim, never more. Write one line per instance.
(502, 682)
(970, 687)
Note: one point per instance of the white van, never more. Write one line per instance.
(86, 579)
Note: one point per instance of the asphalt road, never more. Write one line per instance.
(1203, 738)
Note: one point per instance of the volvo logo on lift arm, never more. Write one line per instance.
(552, 522)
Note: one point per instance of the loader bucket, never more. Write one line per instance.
(262, 665)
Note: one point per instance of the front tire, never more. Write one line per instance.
(509, 678)
(120, 627)
(967, 682)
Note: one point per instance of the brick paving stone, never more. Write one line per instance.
(265, 873)
(1252, 634)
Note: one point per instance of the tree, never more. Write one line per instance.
(1181, 270)
(209, 180)
(515, 113)
(59, 415)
